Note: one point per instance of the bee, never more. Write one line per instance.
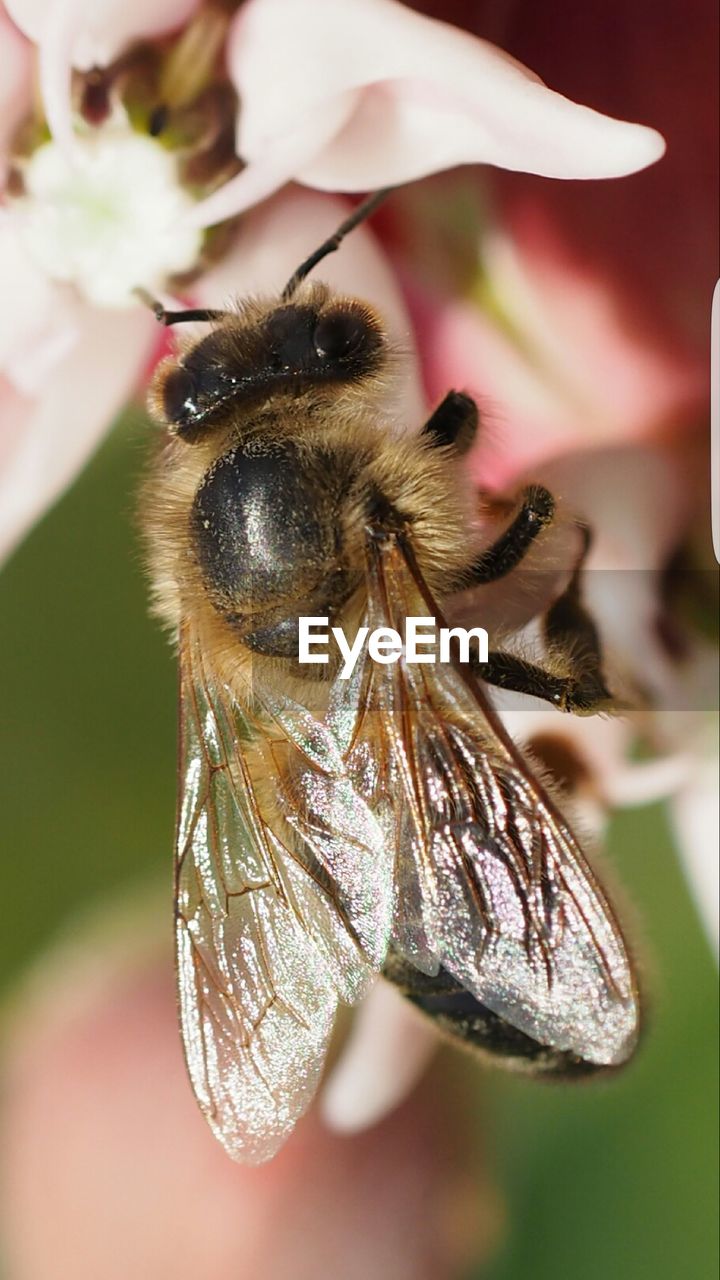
(331, 829)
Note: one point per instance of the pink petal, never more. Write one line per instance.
(47, 439)
(432, 97)
(15, 61)
(274, 239)
(38, 329)
(388, 1049)
(637, 499)
(565, 370)
(109, 1170)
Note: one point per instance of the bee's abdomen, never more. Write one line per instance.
(267, 538)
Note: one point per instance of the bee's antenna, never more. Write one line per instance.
(358, 215)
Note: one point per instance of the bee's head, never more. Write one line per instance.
(307, 340)
(320, 341)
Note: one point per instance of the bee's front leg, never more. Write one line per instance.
(535, 513)
(454, 422)
(567, 625)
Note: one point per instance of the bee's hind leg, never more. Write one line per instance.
(572, 637)
(567, 625)
(581, 694)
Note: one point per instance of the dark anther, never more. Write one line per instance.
(95, 106)
(158, 120)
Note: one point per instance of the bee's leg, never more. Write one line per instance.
(454, 422)
(567, 625)
(581, 694)
(571, 637)
(200, 314)
(536, 512)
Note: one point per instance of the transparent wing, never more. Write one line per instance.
(491, 883)
(284, 905)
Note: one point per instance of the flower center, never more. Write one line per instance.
(111, 221)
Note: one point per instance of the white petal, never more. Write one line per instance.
(277, 163)
(404, 130)
(696, 819)
(112, 221)
(386, 1053)
(46, 440)
(432, 97)
(640, 784)
(101, 29)
(606, 777)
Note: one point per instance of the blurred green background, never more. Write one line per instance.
(611, 1181)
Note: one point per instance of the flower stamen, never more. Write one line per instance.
(152, 133)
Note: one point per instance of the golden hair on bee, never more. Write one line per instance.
(277, 413)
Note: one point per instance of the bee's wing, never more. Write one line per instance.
(492, 885)
(283, 905)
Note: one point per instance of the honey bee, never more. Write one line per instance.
(331, 829)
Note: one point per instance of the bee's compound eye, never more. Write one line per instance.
(339, 333)
(179, 395)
